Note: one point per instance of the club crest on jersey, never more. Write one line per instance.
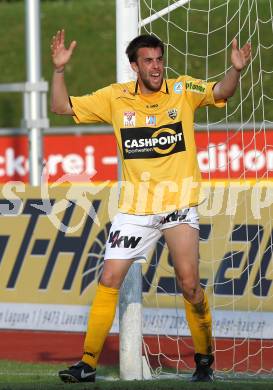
(172, 113)
(150, 120)
(178, 87)
(129, 118)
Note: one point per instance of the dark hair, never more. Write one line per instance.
(142, 41)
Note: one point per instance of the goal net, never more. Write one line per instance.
(235, 155)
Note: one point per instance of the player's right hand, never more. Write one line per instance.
(60, 55)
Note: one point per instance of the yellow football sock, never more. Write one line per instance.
(200, 323)
(99, 323)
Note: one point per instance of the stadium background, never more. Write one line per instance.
(84, 21)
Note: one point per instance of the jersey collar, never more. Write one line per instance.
(134, 90)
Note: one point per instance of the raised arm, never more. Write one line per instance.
(239, 59)
(60, 57)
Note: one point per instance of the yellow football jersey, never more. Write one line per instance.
(155, 139)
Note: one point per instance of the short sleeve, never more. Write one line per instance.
(200, 93)
(93, 108)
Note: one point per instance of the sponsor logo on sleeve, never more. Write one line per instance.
(147, 142)
(129, 119)
(178, 87)
(150, 120)
(196, 86)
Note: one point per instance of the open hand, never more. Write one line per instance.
(60, 55)
(240, 57)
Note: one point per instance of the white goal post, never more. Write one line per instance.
(130, 306)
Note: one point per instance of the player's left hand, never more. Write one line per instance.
(240, 57)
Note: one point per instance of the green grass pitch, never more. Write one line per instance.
(28, 376)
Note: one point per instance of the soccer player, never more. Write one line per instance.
(153, 124)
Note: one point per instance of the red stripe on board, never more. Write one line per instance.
(241, 355)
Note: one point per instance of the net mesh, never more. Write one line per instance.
(235, 155)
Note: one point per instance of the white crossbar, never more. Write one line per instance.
(163, 12)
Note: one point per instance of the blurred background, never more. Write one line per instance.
(90, 23)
